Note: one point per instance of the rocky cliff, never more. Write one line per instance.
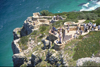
(32, 48)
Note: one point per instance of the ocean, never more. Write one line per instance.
(14, 12)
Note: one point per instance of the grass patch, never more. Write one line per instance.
(18, 33)
(71, 52)
(44, 64)
(80, 37)
(34, 32)
(44, 29)
(88, 46)
(23, 42)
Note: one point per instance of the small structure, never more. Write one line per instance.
(37, 14)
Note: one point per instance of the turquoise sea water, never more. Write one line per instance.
(14, 12)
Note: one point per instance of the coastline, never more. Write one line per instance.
(25, 36)
(12, 17)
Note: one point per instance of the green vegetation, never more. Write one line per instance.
(24, 65)
(88, 46)
(80, 48)
(80, 37)
(97, 21)
(58, 23)
(23, 42)
(34, 32)
(45, 13)
(70, 50)
(44, 29)
(75, 16)
(87, 21)
(44, 64)
(77, 48)
(91, 64)
(18, 33)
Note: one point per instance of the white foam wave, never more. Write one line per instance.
(86, 4)
(90, 6)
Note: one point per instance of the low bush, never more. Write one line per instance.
(97, 21)
(44, 29)
(34, 32)
(87, 21)
(46, 13)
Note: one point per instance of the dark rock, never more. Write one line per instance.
(35, 59)
(16, 33)
(15, 46)
(18, 59)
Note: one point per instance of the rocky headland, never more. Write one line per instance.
(31, 47)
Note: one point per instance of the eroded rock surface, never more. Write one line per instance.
(18, 59)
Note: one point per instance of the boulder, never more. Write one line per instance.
(46, 43)
(29, 63)
(29, 19)
(18, 59)
(51, 57)
(35, 59)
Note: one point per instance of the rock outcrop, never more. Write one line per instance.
(16, 33)
(46, 43)
(15, 46)
(35, 58)
(82, 60)
(27, 28)
(18, 59)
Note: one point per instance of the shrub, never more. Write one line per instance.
(82, 16)
(91, 16)
(92, 63)
(45, 12)
(72, 15)
(87, 21)
(97, 21)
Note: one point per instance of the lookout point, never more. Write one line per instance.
(55, 40)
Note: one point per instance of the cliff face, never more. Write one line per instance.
(39, 53)
(18, 54)
(15, 47)
(18, 59)
(16, 33)
(27, 27)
